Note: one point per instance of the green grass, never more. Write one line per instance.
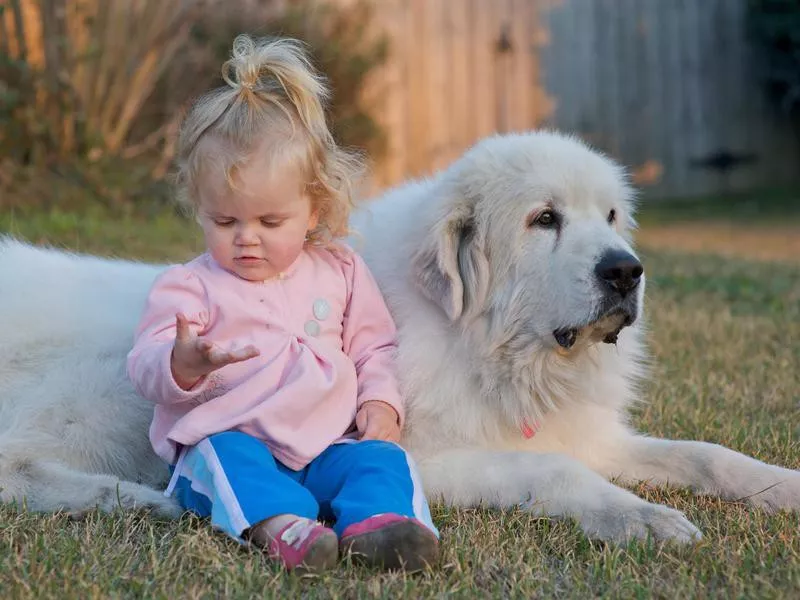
(768, 206)
(162, 235)
(725, 334)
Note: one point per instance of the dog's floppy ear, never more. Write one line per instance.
(450, 268)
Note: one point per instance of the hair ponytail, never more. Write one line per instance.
(276, 71)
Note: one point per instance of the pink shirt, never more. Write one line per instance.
(327, 345)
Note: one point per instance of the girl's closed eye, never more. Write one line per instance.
(272, 222)
(224, 221)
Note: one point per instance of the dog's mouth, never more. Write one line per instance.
(605, 328)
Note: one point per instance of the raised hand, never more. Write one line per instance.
(194, 357)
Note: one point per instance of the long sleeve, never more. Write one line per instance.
(370, 337)
(177, 289)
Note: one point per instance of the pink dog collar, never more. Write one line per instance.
(527, 431)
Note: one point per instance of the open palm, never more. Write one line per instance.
(194, 357)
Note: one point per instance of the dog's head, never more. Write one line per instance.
(533, 241)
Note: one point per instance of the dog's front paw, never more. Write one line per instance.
(622, 524)
(781, 491)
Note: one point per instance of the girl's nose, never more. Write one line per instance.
(245, 236)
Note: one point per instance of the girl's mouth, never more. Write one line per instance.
(248, 260)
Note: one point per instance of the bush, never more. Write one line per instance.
(342, 47)
(104, 81)
(76, 74)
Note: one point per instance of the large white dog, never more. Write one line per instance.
(518, 300)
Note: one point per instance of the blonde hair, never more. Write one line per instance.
(273, 95)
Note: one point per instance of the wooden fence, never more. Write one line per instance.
(668, 87)
(459, 70)
(672, 87)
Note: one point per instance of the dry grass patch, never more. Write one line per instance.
(725, 335)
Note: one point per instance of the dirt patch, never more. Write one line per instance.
(775, 243)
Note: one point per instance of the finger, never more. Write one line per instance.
(245, 353)
(183, 332)
(215, 355)
(361, 421)
(373, 431)
(221, 357)
(204, 347)
(387, 434)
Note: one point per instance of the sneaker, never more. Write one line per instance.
(303, 545)
(391, 541)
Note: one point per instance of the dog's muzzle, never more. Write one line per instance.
(619, 274)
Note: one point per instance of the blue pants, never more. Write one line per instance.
(233, 478)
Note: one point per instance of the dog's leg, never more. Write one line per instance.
(706, 469)
(49, 486)
(552, 485)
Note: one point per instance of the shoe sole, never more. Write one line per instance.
(403, 545)
(321, 556)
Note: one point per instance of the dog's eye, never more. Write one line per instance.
(546, 218)
(612, 217)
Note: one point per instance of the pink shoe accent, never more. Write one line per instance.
(305, 544)
(391, 541)
(373, 524)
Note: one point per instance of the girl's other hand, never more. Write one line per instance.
(377, 420)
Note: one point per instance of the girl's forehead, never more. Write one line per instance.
(270, 173)
(253, 193)
(258, 174)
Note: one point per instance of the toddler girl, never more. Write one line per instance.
(270, 357)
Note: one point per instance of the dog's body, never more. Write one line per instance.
(505, 274)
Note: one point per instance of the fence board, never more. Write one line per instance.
(674, 83)
(655, 83)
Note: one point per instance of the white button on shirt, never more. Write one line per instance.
(312, 328)
(321, 309)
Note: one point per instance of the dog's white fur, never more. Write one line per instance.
(477, 292)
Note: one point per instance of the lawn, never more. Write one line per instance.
(724, 316)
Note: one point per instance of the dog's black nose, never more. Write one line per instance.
(620, 270)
